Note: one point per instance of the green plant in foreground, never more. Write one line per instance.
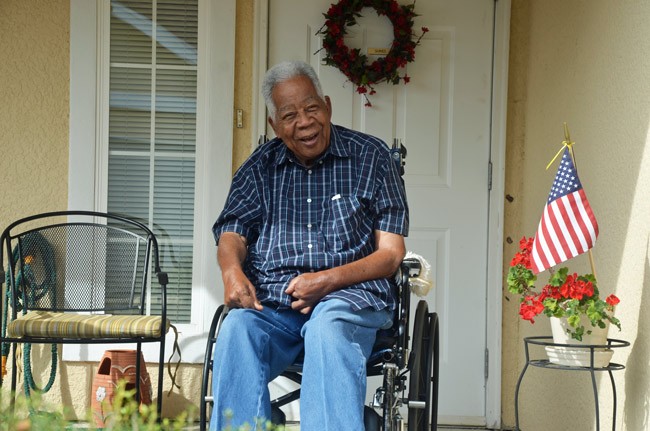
(125, 414)
(30, 414)
(258, 424)
(17, 418)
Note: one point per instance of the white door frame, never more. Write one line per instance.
(494, 274)
(496, 210)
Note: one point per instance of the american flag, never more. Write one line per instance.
(568, 226)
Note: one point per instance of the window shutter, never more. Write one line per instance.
(152, 130)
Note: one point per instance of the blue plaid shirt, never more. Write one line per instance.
(298, 219)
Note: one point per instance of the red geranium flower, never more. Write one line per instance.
(612, 300)
(565, 295)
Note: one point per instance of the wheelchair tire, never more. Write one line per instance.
(217, 320)
(434, 326)
(423, 367)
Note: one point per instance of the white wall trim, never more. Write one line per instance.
(83, 103)
(495, 216)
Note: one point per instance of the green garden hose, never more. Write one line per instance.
(32, 250)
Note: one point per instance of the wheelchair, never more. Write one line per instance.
(409, 366)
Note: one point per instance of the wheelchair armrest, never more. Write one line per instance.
(413, 266)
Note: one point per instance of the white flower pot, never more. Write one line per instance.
(560, 326)
(575, 355)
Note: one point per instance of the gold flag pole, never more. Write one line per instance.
(568, 143)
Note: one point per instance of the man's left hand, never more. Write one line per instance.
(307, 289)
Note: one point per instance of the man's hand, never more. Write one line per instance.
(239, 292)
(307, 289)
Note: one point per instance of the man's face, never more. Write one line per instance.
(302, 118)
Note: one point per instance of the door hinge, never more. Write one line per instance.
(489, 176)
(487, 363)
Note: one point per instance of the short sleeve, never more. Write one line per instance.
(242, 212)
(391, 203)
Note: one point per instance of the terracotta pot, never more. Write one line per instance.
(114, 366)
(102, 396)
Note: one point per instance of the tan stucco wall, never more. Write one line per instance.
(34, 106)
(34, 89)
(585, 63)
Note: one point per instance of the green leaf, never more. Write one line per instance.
(574, 321)
(559, 277)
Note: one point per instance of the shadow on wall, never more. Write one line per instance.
(637, 391)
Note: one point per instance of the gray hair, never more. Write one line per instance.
(282, 72)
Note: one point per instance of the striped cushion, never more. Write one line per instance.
(71, 325)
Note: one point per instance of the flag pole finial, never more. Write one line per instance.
(566, 143)
(567, 136)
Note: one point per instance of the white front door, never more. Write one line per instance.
(443, 118)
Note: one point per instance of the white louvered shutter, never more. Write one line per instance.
(152, 130)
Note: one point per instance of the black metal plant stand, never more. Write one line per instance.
(545, 363)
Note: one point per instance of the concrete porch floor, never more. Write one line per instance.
(296, 427)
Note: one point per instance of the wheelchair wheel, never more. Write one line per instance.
(435, 368)
(206, 397)
(423, 382)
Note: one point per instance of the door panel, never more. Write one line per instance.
(443, 118)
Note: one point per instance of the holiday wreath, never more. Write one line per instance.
(351, 62)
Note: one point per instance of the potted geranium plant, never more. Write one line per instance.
(571, 296)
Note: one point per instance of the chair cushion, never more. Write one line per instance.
(73, 325)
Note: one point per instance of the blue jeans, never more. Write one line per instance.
(254, 347)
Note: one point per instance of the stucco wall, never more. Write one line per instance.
(34, 105)
(34, 89)
(584, 62)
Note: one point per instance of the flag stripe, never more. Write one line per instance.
(587, 216)
(580, 224)
(584, 246)
(538, 258)
(556, 240)
(566, 234)
(541, 251)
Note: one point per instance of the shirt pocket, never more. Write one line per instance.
(347, 224)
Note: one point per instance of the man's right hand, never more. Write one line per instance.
(239, 291)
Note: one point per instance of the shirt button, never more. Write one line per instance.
(309, 200)
(309, 246)
(309, 226)
(309, 172)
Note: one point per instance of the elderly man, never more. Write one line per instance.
(310, 235)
